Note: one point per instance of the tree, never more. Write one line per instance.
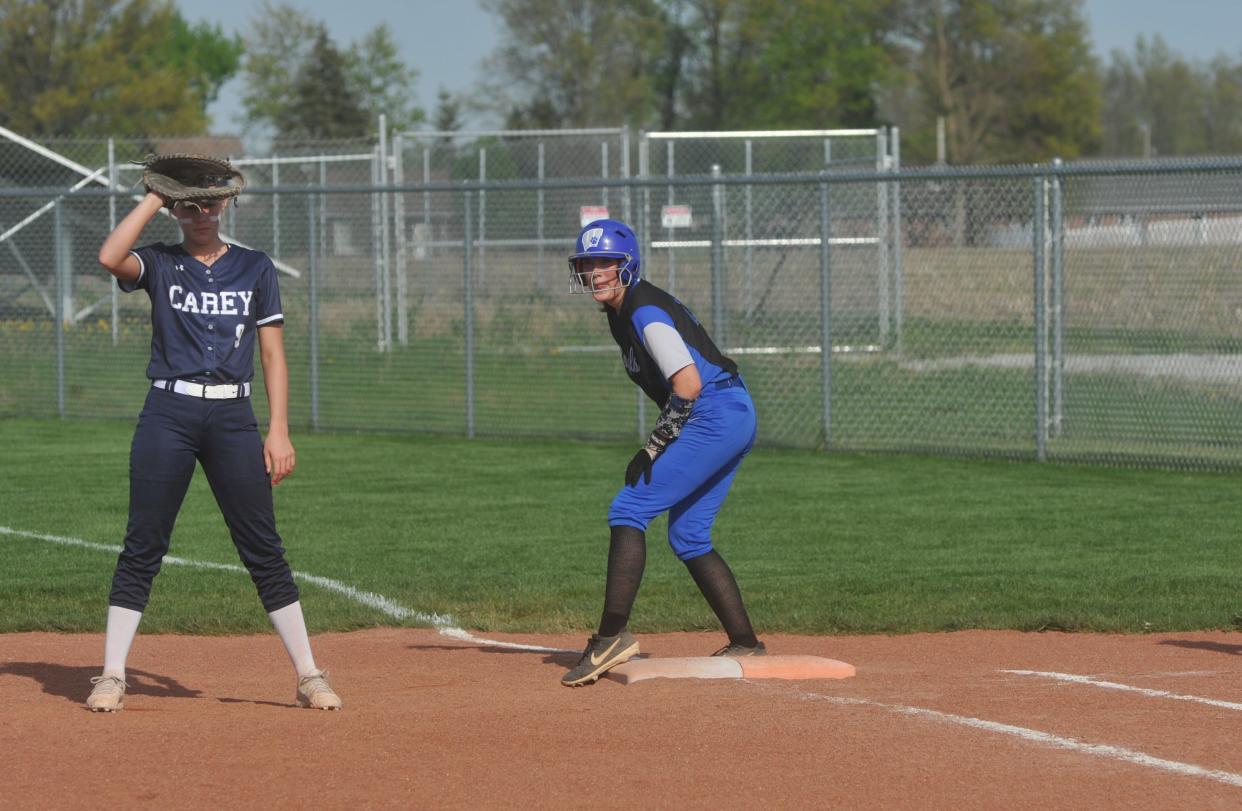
(95, 67)
(1223, 124)
(322, 103)
(448, 112)
(782, 64)
(204, 55)
(575, 63)
(717, 49)
(712, 64)
(1014, 80)
(669, 67)
(1173, 97)
(382, 81)
(281, 39)
(1158, 103)
(288, 50)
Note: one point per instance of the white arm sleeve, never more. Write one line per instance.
(665, 345)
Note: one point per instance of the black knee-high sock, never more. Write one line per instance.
(715, 580)
(627, 555)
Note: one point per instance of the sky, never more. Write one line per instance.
(447, 40)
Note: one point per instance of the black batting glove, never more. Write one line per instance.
(639, 467)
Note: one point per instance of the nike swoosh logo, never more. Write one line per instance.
(614, 644)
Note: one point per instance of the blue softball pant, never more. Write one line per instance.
(692, 477)
(175, 430)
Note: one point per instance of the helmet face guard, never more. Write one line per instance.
(604, 239)
(583, 278)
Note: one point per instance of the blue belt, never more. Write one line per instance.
(736, 380)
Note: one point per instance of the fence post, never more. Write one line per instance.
(230, 217)
(603, 170)
(468, 286)
(482, 218)
(825, 310)
(112, 183)
(427, 196)
(626, 209)
(275, 207)
(894, 154)
(719, 326)
(644, 170)
(1058, 303)
(398, 219)
(323, 209)
(378, 259)
(312, 287)
(749, 285)
(672, 259)
(882, 210)
(62, 308)
(539, 221)
(385, 241)
(1038, 224)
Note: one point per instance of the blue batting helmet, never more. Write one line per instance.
(609, 239)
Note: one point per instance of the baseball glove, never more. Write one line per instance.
(180, 178)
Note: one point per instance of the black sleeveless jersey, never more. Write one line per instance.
(644, 314)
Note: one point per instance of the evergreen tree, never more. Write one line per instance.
(322, 103)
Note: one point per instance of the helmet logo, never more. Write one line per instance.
(591, 238)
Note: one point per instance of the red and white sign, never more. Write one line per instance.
(676, 217)
(589, 214)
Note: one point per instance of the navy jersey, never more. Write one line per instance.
(658, 336)
(204, 319)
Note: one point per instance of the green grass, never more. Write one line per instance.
(511, 536)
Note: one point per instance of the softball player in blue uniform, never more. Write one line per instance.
(209, 302)
(705, 428)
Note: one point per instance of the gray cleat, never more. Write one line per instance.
(738, 651)
(601, 655)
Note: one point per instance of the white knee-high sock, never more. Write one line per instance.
(122, 626)
(292, 629)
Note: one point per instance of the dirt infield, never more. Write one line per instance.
(930, 721)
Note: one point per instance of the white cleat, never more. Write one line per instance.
(108, 695)
(315, 693)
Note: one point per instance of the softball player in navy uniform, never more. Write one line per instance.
(705, 428)
(210, 301)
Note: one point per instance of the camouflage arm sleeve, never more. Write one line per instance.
(668, 427)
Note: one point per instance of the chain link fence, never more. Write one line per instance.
(1077, 312)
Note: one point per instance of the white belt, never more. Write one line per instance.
(227, 391)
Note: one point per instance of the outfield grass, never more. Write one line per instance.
(880, 401)
(511, 536)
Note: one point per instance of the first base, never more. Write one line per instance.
(723, 667)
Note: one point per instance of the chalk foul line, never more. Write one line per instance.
(1111, 685)
(443, 623)
(1034, 736)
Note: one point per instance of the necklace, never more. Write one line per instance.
(210, 258)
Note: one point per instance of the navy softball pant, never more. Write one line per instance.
(692, 477)
(173, 431)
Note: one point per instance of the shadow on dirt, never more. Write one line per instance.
(74, 683)
(1215, 647)
(283, 705)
